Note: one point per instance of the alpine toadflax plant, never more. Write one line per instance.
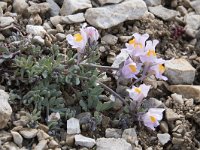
(152, 117)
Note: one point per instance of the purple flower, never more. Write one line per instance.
(78, 41)
(92, 34)
(150, 54)
(130, 69)
(138, 93)
(158, 69)
(152, 117)
(136, 46)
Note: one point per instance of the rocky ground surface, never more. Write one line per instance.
(175, 23)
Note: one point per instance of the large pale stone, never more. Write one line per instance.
(153, 2)
(193, 21)
(36, 30)
(54, 8)
(112, 15)
(179, 71)
(71, 6)
(187, 91)
(171, 115)
(76, 18)
(163, 13)
(196, 6)
(6, 21)
(28, 133)
(163, 138)
(17, 138)
(112, 144)
(84, 141)
(5, 109)
(20, 6)
(103, 2)
(73, 126)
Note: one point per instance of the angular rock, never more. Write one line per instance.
(36, 30)
(41, 135)
(193, 21)
(54, 8)
(76, 18)
(73, 126)
(196, 6)
(17, 138)
(3, 5)
(163, 138)
(28, 133)
(113, 133)
(171, 115)
(56, 20)
(130, 136)
(6, 21)
(164, 127)
(112, 144)
(71, 6)
(109, 39)
(103, 2)
(84, 141)
(112, 15)
(38, 40)
(187, 91)
(53, 144)
(179, 71)
(20, 6)
(152, 2)
(42, 145)
(177, 141)
(163, 13)
(5, 109)
(178, 98)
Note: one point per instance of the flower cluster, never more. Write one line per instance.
(79, 40)
(143, 62)
(142, 54)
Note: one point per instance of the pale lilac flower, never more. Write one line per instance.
(92, 34)
(54, 117)
(130, 69)
(138, 93)
(136, 46)
(159, 69)
(150, 54)
(78, 41)
(152, 117)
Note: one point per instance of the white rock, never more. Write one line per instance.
(171, 115)
(73, 126)
(76, 18)
(5, 109)
(163, 13)
(193, 21)
(153, 2)
(112, 15)
(196, 6)
(36, 30)
(188, 91)
(113, 133)
(56, 20)
(28, 133)
(112, 144)
(163, 138)
(20, 6)
(71, 6)
(41, 135)
(130, 136)
(6, 21)
(178, 98)
(17, 138)
(42, 145)
(3, 5)
(103, 2)
(84, 141)
(179, 71)
(109, 39)
(54, 8)
(121, 57)
(38, 40)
